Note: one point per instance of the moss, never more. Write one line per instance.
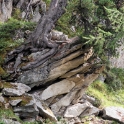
(4, 84)
(2, 72)
(16, 13)
(25, 99)
(7, 32)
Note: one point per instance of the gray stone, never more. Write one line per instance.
(18, 90)
(15, 102)
(57, 35)
(90, 111)
(37, 15)
(9, 121)
(101, 78)
(59, 88)
(2, 99)
(29, 110)
(5, 10)
(76, 110)
(21, 86)
(114, 113)
(88, 98)
(44, 110)
(64, 101)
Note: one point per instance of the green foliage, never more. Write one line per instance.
(108, 31)
(7, 32)
(98, 22)
(8, 113)
(106, 96)
(112, 80)
(16, 13)
(119, 72)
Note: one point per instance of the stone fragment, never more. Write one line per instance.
(44, 110)
(90, 111)
(114, 113)
(5, 10)
(59, 88)
(28, 110)
(95, 120)
(64, 101)
(21, 86)
(2, 99)
(57, 35)
(15, 102)
(88, 98)
(9, 121)
(76, 110)
(18, 90)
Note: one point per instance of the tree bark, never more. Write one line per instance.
(40, 38)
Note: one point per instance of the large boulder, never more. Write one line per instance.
(114, 113)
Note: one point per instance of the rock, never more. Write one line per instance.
(15, 102)
(118, 62)
(94, 120)
(44, 110)
(29, 120)
(18, 89)
(114, 113)
(21, 86)
(57, 35)
(29, 110)
(88, 98)
(5, 10)
(9, 121)
(101, 78)
(72, 121)
(2, 99)
(90, 111)
(64, 101)
(50, 70)
(36, 15)
(59, 88)
(76, 110)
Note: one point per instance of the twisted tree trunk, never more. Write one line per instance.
(40, 38)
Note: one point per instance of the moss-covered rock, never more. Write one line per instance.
(25, 99)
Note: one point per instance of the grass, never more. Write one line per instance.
(7, 114)
(101, 92)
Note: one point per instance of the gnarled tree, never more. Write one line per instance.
(40, 38)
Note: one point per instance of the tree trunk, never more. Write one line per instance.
(5, 10)
(40, 38)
